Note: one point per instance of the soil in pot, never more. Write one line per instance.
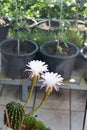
(25, 48)
(61, 63)
(66, 50)
(13, 64)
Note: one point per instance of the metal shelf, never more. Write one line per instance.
(79, 84)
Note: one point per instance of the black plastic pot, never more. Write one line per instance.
(12, 64)
(79, 63)
(62, 65)
(4, 29)
(84, 62)
(3, 32)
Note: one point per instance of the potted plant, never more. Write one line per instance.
(77, 33)
(18, 50)
(60, 54)
(76, 36)
(15, 116)
(62, 63)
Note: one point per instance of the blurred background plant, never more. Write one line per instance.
(75, 36)
(41, 36)
(39, 9)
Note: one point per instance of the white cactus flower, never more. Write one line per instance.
(51, 80)
(36, 68)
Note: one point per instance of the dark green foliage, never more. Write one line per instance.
(41, 36)
(75, 36)
(40, 9)
(15, 113)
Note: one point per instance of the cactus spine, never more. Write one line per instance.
(15, 113)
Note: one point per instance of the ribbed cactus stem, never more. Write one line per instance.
(47, 93)
(34, 80)
(15, 113)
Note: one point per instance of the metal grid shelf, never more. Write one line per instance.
(79, 84)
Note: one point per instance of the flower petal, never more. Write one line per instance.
(36, 68)
(52, 80)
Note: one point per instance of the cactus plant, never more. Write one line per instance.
(33, 124)
(15, 113)
(15, 116)
(40, 125)
(29, 121)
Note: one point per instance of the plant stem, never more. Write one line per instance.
(77, 5)
(49, 22)
(18, 41)
(34, 80)
(42, 102)
(60, 24)
(18, 46)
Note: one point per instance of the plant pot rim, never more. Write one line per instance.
(19, 55)
(5, 25)
(43, 24)
(27, 20)
(58, 56)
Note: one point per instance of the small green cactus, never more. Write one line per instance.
(40, 125)
(15, 113)
(29, 121)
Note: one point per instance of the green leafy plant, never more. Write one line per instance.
(20, 28)
(68, 33)
(75, 36)
(41, 36)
